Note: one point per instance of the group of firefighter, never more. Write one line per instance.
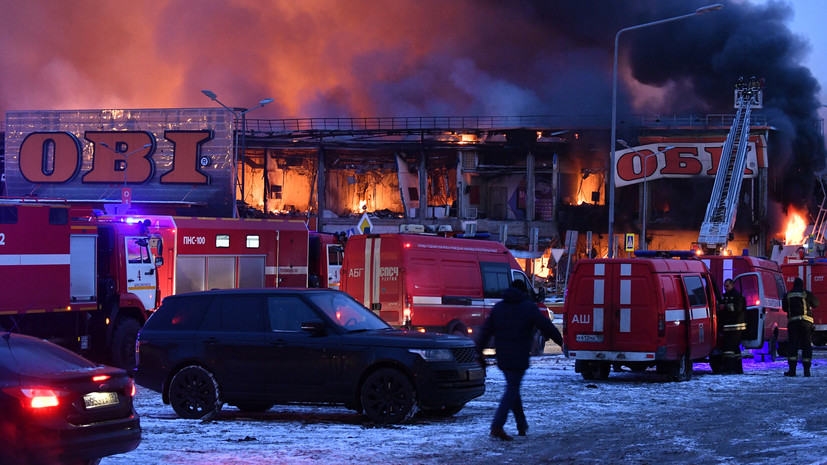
(798, 304)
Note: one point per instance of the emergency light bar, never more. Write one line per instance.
(664, 253)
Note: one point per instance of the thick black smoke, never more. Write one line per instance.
(703, 56)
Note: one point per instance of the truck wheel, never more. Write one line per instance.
(445, 412)
(388, 396)
(602, 370)
(538, 343)
(682, 369)
(124, 337)
(716, 363)
(819, 340)
(584, 368)
(194, 393)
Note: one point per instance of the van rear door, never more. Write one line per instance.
(752, 288)
(635, 309)
(588, 302)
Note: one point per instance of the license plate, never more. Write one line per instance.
(100, 399)
(475, 374)
(589, 338)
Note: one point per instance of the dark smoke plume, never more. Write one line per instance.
(412, 57)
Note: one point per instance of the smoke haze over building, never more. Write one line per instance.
(409, 58)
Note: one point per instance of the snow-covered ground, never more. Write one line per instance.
(760, 417)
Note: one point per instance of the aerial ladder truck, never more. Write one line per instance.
(719, 220)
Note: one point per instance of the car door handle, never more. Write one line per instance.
(211, 340)
(279, 343)
(130, 280)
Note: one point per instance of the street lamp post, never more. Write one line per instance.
(237, 112)
(699, 11)
(645, 208)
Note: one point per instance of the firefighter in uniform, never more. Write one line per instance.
(731, 313)
(798, 305)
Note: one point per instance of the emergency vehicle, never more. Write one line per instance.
(83, 284)
(226, 253)
(325, 261)
(814, 274)
(761, 283)
(430, 283)
(639, 313)
(89, 281)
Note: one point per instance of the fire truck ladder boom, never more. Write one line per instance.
(723, 203)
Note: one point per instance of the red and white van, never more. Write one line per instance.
(814, 274)
(639, 312)
(761, 283)
(426, 282)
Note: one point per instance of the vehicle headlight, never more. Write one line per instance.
(434, 355)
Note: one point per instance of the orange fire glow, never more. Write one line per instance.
(794, 230)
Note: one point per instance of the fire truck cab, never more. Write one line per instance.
(639, 313)
(814, 274)
(427, 282)
(761, 283)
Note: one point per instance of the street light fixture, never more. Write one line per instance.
(237, 112)
(698, 12)
(645, 208)
(125, 154)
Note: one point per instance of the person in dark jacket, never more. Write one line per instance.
(731, 313)
(798, 305)
(511, 324)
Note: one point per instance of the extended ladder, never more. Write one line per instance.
(723, 203)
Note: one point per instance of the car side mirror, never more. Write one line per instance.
(159, 261)
(315, 327)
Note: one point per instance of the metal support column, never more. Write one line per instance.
(320, 188)
(423, 187)
(529, 187)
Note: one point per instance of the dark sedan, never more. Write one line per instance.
(255, 348)
(58, 407)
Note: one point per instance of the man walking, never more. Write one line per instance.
(798, 305)
(731, 312)
(512, 323)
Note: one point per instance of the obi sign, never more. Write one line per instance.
(168, 156)
(689, 157)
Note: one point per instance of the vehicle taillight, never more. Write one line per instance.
(100, 378)
(757, 302)
(130, 389)
(35, 398)
(407, 312)
(661, 325)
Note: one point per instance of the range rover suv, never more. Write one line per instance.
(256, 348)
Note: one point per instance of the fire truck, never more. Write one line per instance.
(761, 283)
(89, 281)
(813, 271)
(426, 282)
(639, 313)
(84, 284)
(716, 229)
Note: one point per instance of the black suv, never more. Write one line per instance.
(255, 348)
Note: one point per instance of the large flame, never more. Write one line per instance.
(794, 231)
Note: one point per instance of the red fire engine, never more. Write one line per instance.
(639, 312)
(761, 283)
(84, 284)
(429, 283)
(814, 274)
(89, 281)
